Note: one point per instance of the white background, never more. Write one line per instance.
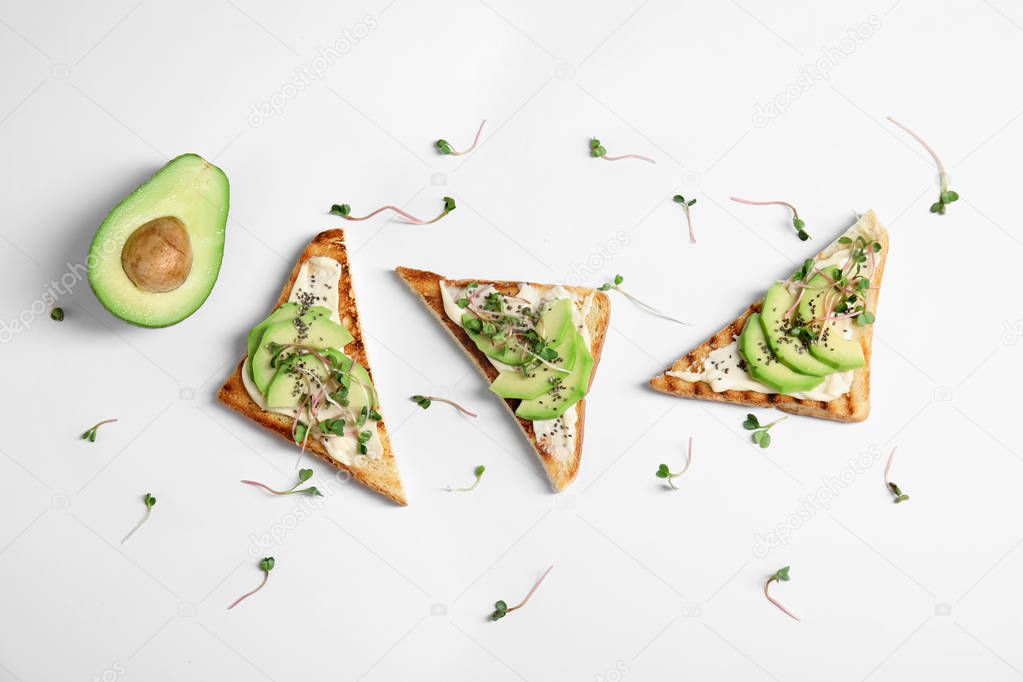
(647, 583)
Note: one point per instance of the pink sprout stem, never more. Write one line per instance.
(775, 601)
(523, 602)
(942, 175)
(266, 487)
(627, 156)
(236, 602)
(453, 404)
(888, 465)
(795, 213)
(474, 142)
(407, 216)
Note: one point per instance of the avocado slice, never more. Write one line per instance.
(790, 350)
(312, 329)
(289, 386)
(156, 256)
(526, 384)
(507, 351)
(283, 313)
(833, 349)
(764, 366)
(361, 392)
(568, 392)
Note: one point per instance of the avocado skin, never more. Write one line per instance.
(111, 285)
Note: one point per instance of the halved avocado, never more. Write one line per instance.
(764, 366)
(156, 257)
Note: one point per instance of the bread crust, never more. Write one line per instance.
(854, 406)
(427, 286)
(380, 475)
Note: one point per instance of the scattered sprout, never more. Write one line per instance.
(150, 502)
(797, 222)
(945, 195)
(478, 473)
(57, 314)
(686, 205)
(266, 565)
(501, 608)
(665, 473)
(616, 285)
(597, 151)
(90, 434)
(303, 474)
(781, 575)
(345, 211)
(892, 487)
(760, 434)
(424, 401)
(444, 147)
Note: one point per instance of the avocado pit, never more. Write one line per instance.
(158, 255)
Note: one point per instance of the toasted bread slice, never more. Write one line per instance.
(561, 472)
(853, 406)
(381, 474)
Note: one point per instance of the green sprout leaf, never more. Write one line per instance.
(422, 401)
(57, 314)
(304, 475)
(782, 574)
(443, 147)
(343, 210)
(751, 422)
(449, 204)
(267, 564)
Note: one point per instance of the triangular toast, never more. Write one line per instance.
(379, 474)
(853, 406)
(561, 472)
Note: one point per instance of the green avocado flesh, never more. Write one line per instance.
(790, 350)
(291, 383)
(288, 311)
(764, 366)
(312, 329)
(188, 189)
(506, 351)
(526, 383)
(568, 392)
(833, 349)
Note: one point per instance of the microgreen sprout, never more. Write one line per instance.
(444, 147)
(90, 434)
(266, 565)
(681, 200)
(781, 575)
(478, 473)
(424, 401)
(345, 211)
(665, 473)
(892, 487)
(501, 608)
(57, 314)
(597, 151)
(760, 433)
(616, 285)
(945, 195)
(797, 222)
(150, 502)
(303, 476)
